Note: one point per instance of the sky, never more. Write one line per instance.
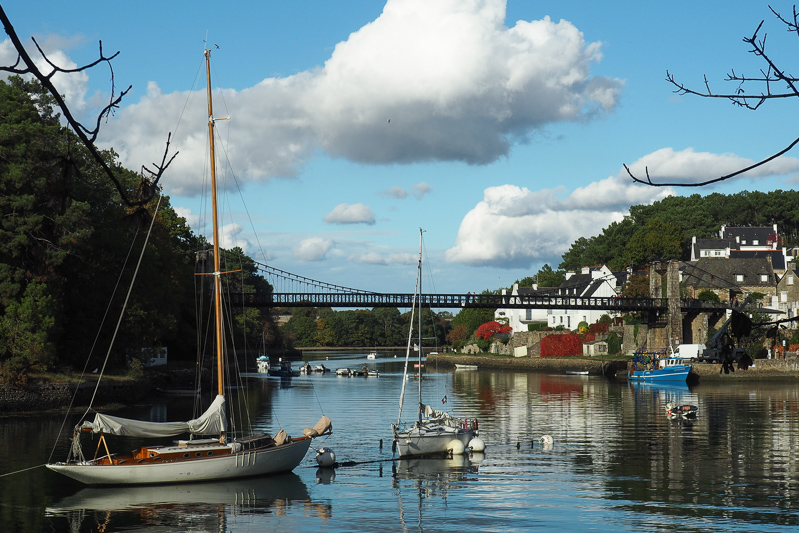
(498, 127)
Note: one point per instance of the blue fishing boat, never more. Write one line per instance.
(657, 366)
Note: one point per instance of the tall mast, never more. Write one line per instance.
(419, 410)
(217, 271)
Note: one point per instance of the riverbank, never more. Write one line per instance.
(112, 392)
(763, 369)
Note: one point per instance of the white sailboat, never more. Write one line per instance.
(212, 458)
(433, 432)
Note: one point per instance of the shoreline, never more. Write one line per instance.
(61, 397)
(763, 369)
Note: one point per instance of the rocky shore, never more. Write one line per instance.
(763, 369)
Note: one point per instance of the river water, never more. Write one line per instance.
(617, 462)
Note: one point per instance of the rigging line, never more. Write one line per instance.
(23, 470)
(96, 340)
(125, 304)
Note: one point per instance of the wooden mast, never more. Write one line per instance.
(217, 271)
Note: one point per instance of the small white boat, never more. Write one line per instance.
(263, 363)
(346, 372)
(459, 366)
(372, 355)
(577, 372)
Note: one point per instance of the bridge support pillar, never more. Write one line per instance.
(673, 295)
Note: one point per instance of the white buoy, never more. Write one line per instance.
(456, 447)
(546, 440)
(477, 445)
(325, 457)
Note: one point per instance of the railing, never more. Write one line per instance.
(456, 301)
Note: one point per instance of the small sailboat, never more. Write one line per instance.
(263, 364)
(211, 458)
(433, 432)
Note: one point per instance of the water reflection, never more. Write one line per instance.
(203, 506)
(618, 463)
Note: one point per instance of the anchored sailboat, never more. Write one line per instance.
(203, 459)
(434, 432)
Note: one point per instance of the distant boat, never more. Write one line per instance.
(284, 371)
(577, 372)
(459, 366)
(263, 364)
(681, 411)
(657, 366)
(372, 355)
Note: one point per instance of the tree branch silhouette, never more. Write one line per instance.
(769, 76)
(24, 64)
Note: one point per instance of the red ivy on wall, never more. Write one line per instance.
(489, 329)
(561, 345)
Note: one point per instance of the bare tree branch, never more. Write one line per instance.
(771, 75)
(148, 186)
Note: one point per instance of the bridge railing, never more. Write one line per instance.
(455, 301)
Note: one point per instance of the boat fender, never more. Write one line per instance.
(325, 457)
(474, 424)
(456, 447)
(477, 445)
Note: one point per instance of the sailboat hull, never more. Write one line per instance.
(281, 458)
(429, 441)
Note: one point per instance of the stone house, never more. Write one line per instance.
(730, 278)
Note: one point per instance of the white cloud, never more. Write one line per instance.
(313, 249)
(456, 83)
(229, 237)
(688, 166)
(420, 189)
(514, 227)
(351, 214)
(374, 258)
(395, 192)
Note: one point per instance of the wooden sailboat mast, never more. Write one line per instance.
(217, 270)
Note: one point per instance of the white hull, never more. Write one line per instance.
(281, 458)
(430, 440)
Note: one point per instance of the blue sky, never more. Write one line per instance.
(499, 127)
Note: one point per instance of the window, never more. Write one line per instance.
(763, 278)
(717, 253)
(739, 277)
(528, 314)
(755, 242)
(790, 279)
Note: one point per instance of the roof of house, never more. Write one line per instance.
(747, 235)
(777, 257)
(710, 273)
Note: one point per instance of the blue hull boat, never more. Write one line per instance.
(657, 366)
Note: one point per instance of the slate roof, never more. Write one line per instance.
(777, 258)
(765, 235)
(710, 273)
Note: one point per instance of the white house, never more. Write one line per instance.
(592, 282)
(518, 319)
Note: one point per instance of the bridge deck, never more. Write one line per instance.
(457, 301)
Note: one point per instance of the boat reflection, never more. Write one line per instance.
(176, 505)
(429, 478)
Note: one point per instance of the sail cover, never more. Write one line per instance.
(212, 422)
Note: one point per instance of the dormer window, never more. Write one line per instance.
(739, 277)
(755, 242)
(763, 278)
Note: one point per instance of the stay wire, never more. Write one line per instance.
(94, 344)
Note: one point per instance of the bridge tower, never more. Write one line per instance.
(665, 330)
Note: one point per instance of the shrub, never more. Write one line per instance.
(561, 345)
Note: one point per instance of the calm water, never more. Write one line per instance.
(617, 464)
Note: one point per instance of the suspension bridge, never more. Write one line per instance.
(292, 290)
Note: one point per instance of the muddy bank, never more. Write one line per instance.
(763, 369)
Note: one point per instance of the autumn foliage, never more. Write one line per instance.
(561, 345)
(489, 329)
